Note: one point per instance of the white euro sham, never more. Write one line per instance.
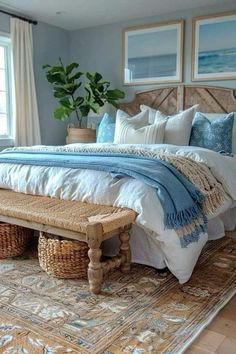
(178, 127)
(137, 130)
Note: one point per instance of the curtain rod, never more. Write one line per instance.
(20, 17)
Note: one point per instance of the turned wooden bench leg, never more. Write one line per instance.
(125, 248)
(95, 272)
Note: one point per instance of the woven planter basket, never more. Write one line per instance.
(63, 258)
(13, 240)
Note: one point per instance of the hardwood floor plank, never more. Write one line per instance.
(227, 347)
(229, 311)
(209, 340)
(197, 350)
(222, 327)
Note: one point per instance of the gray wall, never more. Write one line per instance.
(96, 49)
(99, 48)
(50, 42)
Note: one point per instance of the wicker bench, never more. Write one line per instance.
(90, 223)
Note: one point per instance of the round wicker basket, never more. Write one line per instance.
(13, 240)
(63, 258)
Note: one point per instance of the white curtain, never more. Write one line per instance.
(27, 129)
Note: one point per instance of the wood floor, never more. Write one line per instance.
(220, 336)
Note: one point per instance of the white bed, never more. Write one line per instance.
(151, 243)
(158, 247)
(147, 249)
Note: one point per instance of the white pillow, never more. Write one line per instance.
(178, 127)
(213, 116)
(136, 130)
(152, 113)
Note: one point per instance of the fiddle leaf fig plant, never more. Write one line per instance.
(79, 92)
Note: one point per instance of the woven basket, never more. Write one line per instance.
(13, 240)
(63, 258)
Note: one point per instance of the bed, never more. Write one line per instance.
(170, 100)
(151, 242)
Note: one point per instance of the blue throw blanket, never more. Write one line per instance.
(180, 199)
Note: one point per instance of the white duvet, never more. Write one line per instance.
(101, 187)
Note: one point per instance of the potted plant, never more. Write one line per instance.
(79, 93)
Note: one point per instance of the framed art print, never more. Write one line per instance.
(214, 47)
(153, 53)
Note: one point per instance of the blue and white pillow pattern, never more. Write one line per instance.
(215, 135)
(106, 130)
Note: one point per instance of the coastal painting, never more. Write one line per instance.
(214, 49)
(153, 54)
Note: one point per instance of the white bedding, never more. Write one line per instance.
(101, 187)
(146, 250)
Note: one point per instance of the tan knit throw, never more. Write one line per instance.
(201, 176)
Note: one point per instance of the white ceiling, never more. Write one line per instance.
(75, 14)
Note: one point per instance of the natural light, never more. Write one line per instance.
(5, 98)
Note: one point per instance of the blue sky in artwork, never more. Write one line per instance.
(152, 44)
(216, 36)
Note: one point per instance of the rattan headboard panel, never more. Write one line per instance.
(171, 99)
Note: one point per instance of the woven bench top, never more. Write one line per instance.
(65, 214)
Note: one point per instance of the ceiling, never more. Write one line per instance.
(76, 14)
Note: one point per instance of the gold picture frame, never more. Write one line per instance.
(145, 61)
(214, 47)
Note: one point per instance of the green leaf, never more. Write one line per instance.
(89, 76)
(59, 92)
(94, 107)
(88, 96)
(101, 88)
(115, 94)
(78, 101)
(56, 70)
(71, 67)
(84, 109)
(99, 101)
(45, 66)
(61, 113)
(97, 77)
(70, 87)
(66, 103)
(112, 102)
(104, 83)
(57, 78)
(75, 77)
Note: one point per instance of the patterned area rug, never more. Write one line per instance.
(137, 313)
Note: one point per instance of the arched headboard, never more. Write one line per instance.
(171, 99)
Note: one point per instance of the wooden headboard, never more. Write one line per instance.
(171, 99)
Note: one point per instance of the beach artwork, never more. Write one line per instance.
(153, 53)
(214, 54)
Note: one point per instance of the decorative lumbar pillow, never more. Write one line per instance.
(215, 135)
(106, 129)
(178, 127)
(137, 130)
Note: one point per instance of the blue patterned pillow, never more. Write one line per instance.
(215, 135)
(106, 130)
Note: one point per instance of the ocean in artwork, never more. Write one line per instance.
(152, 66)
(217, 61)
